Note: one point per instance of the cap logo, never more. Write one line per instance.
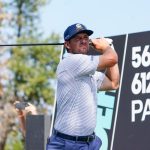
(78, 27)
(67, 36)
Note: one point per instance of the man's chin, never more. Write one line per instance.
(84, 51)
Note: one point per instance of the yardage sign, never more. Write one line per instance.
(123, 119)
(133, 119)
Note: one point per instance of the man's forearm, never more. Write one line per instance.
(113, 74)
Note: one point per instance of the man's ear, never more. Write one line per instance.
(66, 44)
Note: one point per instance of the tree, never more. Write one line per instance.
(32, 68)
(31, 80)
(7, 124)
(25, 16)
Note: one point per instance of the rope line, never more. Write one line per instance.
(32, 44)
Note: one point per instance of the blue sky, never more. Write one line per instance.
(105, 18)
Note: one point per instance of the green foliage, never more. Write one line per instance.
(33, 69)
(24, 16)
(14, 141)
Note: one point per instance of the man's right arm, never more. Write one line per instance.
(109, 56)
(107, 61)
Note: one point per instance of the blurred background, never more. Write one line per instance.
(27, 73)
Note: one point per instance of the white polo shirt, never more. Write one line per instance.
(76, 94)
